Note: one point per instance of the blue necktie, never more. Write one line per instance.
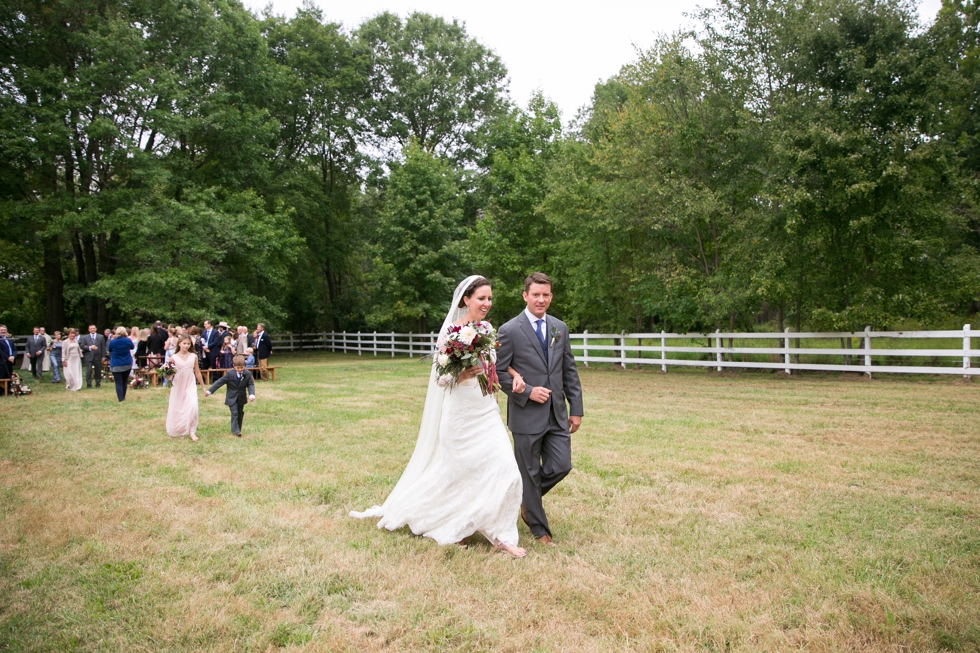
(542, 340)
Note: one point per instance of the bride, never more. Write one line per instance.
(462, 477)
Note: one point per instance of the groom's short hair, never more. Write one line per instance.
(536, 277)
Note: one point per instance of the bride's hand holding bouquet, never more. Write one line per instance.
(468, 350)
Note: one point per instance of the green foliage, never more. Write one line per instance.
(419, 247)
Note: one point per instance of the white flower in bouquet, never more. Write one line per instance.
(443, 360)
(444, 380)
(466, 334)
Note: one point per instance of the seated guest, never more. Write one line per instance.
(156, 345)
(249, 357)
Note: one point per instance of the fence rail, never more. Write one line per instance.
(946, 352)
(935, 352)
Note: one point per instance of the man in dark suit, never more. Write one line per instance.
(262, 346)
(36, 345)
(93, 351)
(8, 351)
(210, 345)
(536, 346)
(241, 389)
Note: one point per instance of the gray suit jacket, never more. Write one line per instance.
(521, 349)
(36, 344)
(87, 341)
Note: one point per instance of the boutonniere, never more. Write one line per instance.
(555, 336)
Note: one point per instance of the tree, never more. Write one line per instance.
(430, 83)
(420, 243)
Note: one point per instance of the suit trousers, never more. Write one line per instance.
(93, 365)
(544, 459)
(237, 417)
(264, 368)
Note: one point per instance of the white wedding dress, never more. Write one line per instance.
(462, 478)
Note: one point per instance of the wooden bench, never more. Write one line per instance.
(6, 386)
(253, 370)
(153, 375)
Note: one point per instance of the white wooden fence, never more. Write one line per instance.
(924, 352)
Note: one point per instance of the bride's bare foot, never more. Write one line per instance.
(514, 551)
(194, 438)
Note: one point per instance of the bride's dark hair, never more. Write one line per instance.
(479, 282)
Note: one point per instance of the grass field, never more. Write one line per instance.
(705, 513)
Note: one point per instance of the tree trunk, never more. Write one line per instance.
(91, 276)
(54, 285)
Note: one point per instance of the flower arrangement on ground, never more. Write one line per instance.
(138, 382)
(17, 387)
(469, 345)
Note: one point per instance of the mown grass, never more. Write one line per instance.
(734, 512)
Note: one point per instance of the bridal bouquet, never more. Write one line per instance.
(470, 345)
(169, 368)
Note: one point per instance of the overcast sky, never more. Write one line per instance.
(562, 48)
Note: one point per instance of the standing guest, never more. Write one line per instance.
(242, 342)
(263, 349)
(209, 344)
(72, 361)
(156, 345)
(170, 348)
(216, 352)
(36, 344)
(141, 350)
(134, 337)
(93, 350)
(55, 357)
(8, 351)
(47, 350)
(182, 407)
(225, 360)
(121, 361)
(241, 388)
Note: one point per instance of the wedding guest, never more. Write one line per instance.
(36, 344)
(242, 341)
(216, 352)
(93, 350)
(141, 349)
(241, 389)
(134, 340)
(72, 361)
(55, 357)
(170, 348)
(263, 349)
(227, 354)
(47, 351)
(210, 343)
(249, 357)
(121, 361)
(182, 413)
(8, 351)
(156, 345)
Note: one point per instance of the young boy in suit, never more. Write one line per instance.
(241, 389)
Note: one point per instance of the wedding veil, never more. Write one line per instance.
(428, 440)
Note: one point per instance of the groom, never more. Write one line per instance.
(536, 346)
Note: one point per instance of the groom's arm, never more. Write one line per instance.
(505, 359)
(570, 380)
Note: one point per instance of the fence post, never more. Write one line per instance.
(663, 351)
(718, 349)
(966, 350)
(410, 347)
(375, 344)
(786, 356)
(622, 349)
(344, 335)
(392, 343)
(585, 347)
(867, 347)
